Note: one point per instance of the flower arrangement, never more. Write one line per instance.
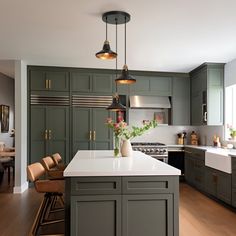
(123, 131)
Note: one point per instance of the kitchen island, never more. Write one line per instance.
(124, 196)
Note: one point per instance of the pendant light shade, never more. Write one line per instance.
(116, 105)
(125, 78)
(106, 52)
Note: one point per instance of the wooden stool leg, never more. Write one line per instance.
(8, 174)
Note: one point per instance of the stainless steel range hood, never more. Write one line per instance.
(149, 102)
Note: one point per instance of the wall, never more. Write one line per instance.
(21, 183)
(168, 134)
(230, 73)
(7, 98)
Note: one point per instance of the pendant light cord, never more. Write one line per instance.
(125, 40)
(106, 28)
(116, 53)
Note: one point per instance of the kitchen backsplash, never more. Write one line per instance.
(168, 134)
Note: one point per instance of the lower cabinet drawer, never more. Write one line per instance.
(95, 185)
(148, 184)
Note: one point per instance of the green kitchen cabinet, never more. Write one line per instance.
(151, 85)
(96, 215)
(233, 181)
(181, 101)
(207, 86)
(47, 80)
(49, 132)
(89, 130)
(91, 82)
(195, 167)
(153, 210)
(219, 184)
(122, 205)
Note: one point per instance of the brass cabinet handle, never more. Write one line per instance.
(49, 84)
(90, 135)
(46, 134)
(94, 135)
(49, 134)
(46, 84)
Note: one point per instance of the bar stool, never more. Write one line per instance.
(58, 161)
(52, 190)
(51, 169)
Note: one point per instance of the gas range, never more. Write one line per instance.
(155, 150)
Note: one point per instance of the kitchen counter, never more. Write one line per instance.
(108, 195)
(103, 163)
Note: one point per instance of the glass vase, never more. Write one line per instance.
(116, 146)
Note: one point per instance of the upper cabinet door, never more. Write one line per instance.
(49, 81)
(58, 81)
(161, 86)
(102, 83)
(181, 101)
(81, 82)
(142, 85)
(91, 83)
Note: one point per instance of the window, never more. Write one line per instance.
(230, 109)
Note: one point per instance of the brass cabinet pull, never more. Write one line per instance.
(90, 135)
(49, 134)
(46, 84)
(49, 84)
(94, 135)
(46, 134)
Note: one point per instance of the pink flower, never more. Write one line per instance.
(116, 125)
(119, 119)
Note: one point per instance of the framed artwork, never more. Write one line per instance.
(159, 117)
(5, 111)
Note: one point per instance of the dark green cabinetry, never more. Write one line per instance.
(49, 80)
(89, 130)
(195, 167)
(207, 94)
(96, 215)
(218, 184)
(150, 85)
(234, 181)
(127, 206)
(181, 101)
(49, 132)
(85, 82)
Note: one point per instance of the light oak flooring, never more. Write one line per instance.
(199, 215)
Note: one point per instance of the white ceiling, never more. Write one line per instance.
(163, 35)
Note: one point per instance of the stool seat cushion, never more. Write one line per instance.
(50, 186)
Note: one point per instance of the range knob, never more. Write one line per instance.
(152, 150)
(148, 149)
(144, 150)
(140, 149)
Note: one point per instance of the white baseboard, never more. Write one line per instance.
(21, 189)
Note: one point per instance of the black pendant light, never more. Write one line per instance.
(116, 105)
(125, 78)
(106, 53)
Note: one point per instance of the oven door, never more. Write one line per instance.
(163, 158)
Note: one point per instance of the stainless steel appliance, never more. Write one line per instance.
(155, 150)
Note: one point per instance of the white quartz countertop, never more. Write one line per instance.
(103, 163)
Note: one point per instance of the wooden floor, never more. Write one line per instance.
(199, 215)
